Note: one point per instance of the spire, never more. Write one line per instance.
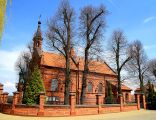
(38, 32)
(38, 36)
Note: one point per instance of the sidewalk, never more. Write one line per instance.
(133, 115)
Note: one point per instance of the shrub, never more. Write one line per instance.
(33, 88)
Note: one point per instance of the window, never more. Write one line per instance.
(52, 99)
(126, 96)
(54, 84)
(100, 88)
(90, 87)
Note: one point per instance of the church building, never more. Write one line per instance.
(52, 66)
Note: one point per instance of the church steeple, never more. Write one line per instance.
(38, 37)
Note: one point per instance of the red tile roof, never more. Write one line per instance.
(138, 89)
(57, 60)
(123, 87)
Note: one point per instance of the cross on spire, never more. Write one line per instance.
(39, 18)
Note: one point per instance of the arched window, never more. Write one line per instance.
(54, 85)
(126, 96)
(90, 87)
(100, 88)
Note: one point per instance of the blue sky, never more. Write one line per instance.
(137, 18)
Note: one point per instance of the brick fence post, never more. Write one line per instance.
(20, 97)
(1, 88)
(99, 102)
(1, 91)
(20, 90)
(121, 103)
(15, 101)
(5, 97)
(124, 97)
(1, 99)
(144, 101)
(41, 104)
(72, 103)
(1, 102)
(138, 101)
(129, 97)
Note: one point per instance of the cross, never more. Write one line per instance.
(39, 17)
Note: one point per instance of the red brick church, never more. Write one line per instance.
(52, 66)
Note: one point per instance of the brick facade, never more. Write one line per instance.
(50, 73)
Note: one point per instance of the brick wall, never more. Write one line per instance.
(49, 73)
(90, 110)
(26, 110)
(63, 110)
(110, 108)
(56, 110)
(130, 107)
(6, 108)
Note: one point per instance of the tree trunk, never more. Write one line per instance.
(119, 84)
(140, 76)
(118, 68)
(84, 79)
(67, 81)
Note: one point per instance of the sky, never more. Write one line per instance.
(137, 18)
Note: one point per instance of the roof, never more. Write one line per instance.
(138, 89)
(146, 86)
(123, 87)
(58, 60)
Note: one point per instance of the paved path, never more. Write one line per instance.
(133, 115)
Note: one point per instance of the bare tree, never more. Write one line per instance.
(138, 64)
(152, 67)
(23, 67)
(119, 49)
(92, 24)
(60, 38)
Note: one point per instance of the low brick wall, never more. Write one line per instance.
(86, 110)
(130, 107)
(110, 108)
(62, 110)
(26, 110)
(56, 110)
(6, 108)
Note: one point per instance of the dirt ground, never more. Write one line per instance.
(133, 115)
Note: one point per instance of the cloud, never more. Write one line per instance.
(8, 75)
(9, 87)
(8, 59)
(149, 19)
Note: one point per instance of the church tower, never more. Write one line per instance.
(38, 38)
(37, 45)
